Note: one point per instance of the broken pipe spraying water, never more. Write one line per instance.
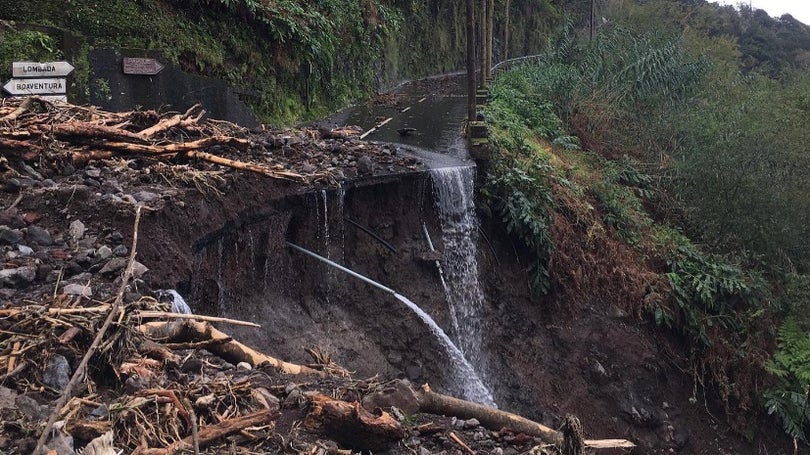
(473, 389)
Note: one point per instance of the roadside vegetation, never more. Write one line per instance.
(676, 163)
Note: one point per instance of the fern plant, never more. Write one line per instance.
(791, 364)
(521, 200)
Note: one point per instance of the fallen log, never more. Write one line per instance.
(221, 344)
(494, 419)
(406, 398)
(176, 120)
(280, 174)
(212, 433)
(351, 425)
(68, 130)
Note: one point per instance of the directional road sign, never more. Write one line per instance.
(42, 86)
(40, 69)
(142, 66)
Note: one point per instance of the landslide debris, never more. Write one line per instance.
(187, 387)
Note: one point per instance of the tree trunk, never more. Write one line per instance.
(221, 344)
(506, 30)
(403, 396)
(351, 425)
(494, 419)
(490, 33)
(470, 60)
(483, 45)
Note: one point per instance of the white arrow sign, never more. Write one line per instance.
(40, 69)
(46, 86)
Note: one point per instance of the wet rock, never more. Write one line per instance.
(25, 250)
(38, 236)
(14, 185)
(101, 413)
(680, 440)
(30, 408)
(598, 372)
(146, 196)
(57, 373)
(244, 366)
(9, 236)
(116, 237)
(120, 250)
(104, 252)
(638, 412)
(78, 289)
(460, 424)
(18, 277)
(92, 172)
(399, 394)
(114, 265)
(134, 384)
(192, 365)
(76, 230)
(31, 217)
(7, 397)
(365, 166)
(11, 219)
(269, 399)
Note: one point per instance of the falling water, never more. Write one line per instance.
(470, 385)
(454, 199)
(472, 388)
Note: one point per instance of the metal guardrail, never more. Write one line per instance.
(516, 60)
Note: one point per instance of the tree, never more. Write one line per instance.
(470, 60)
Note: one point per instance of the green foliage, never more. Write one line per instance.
(707, 291)
(791, 364)
(619, 195)
(522, 199)
(740, 164)
(26, 45)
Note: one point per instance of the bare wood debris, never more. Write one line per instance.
(37, 130)
(136, 378)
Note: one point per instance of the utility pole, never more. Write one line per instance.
(471, 61)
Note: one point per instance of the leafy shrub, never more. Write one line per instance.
(521, 198)
(791, 364)
(706, 290)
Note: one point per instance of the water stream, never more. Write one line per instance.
(472, 388)
(454, 199)
(468, 385)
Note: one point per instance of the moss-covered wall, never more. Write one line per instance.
(292, 60)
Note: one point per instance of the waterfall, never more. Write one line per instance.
(454, 200)
(469, 385)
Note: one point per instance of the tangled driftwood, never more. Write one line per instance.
(33, 127)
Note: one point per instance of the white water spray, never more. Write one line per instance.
(454, 200)
(470, 385)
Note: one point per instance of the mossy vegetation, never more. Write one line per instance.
(292, 60)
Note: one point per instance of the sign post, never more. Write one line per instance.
(35, 69)
(39, 78)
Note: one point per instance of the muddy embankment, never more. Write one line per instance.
(541, 359)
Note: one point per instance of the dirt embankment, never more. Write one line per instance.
(217, 235)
